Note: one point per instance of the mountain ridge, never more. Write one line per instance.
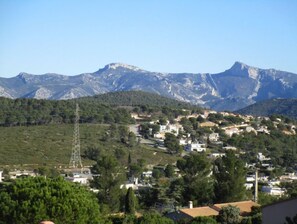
(284, 107)
(237, 87)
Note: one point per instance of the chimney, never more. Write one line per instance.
(190, 204)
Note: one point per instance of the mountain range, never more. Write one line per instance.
(235, 88)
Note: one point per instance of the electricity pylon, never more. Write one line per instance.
(75, 160)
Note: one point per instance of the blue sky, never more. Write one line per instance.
(76, 36)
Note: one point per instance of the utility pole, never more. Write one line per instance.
(75, 159)
(256, 186)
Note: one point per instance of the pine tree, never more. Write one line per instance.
(129, 159)
(130, 202)
(229, 173)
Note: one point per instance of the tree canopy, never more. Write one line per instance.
(107, 181)
(30, 200)
(197, 183)
(130, 202)
(229, 173)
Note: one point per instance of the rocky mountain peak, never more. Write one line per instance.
(25, 77)
(242, 69)
(239, 66)
(237, 87)
(122, 66)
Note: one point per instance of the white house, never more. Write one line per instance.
(195, 146)
(263, 129)
(214, 137)
(79, 178)
(231, 131)
(289, 177)
(147, 174)
(248, 186)
(261, 157)
(133, 183)
(250, 129)
(216, 155)
(183, 141)
(19, 173)
(170, 128)
(227, 148)
(276, 191)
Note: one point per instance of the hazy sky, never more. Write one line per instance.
(75, 36)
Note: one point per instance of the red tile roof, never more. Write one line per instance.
(244, 206)
(200, 211)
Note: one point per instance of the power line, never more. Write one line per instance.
(75, 159)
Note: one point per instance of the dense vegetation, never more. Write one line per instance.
(285, 107)
(37, 112)
(106, 108)
(138, 98)
(30, 200)
(281, 148)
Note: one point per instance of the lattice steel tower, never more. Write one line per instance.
(75, 160)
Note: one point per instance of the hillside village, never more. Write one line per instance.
(211, 141)
(209, 133)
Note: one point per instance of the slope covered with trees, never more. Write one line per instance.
(138, 98)
(106, 108)
(37, 112)
(285, 107)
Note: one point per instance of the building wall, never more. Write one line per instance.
(277, 213)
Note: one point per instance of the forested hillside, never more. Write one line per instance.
(33, 111)
(285, 107)
(138, 98)
(106, 108)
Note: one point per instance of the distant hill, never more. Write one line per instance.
(235, 88)
(137, 98)
(14, 112)
(286, 107)
(106, 108)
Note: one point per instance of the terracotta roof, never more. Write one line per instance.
(200, 211)
(207, 124)
(244, 206)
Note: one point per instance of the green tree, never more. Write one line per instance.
(48, 172)
(154, 218)
(130, 202)
(107, 181)
(291, 188)
(129, 159)
(172, 143)
(198, 185)
(229, 215)
(256, 215)
(30, 200)
(132, 139)
(157, 173)
(135, 170)
(229, 173)
(169, 171)
(203, 220)
(163, 121)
